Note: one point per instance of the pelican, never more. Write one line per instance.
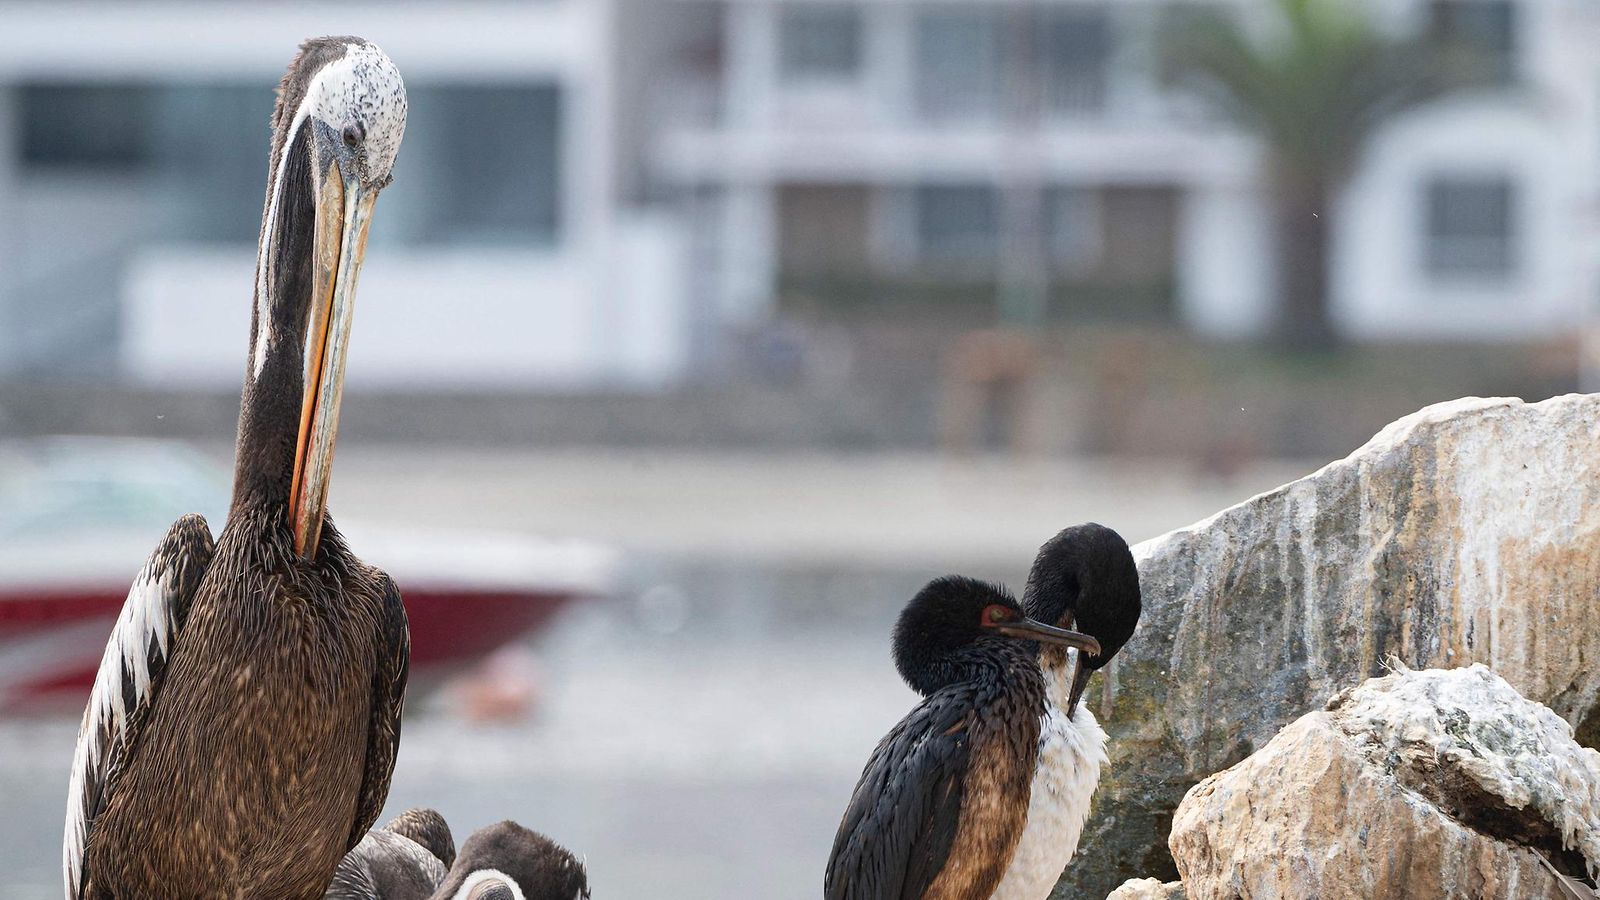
(506, 861)
(405, 860)
(243, 725)
(944, 798)
(408, 859)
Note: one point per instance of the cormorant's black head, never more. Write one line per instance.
(1085, 578)
(508, 862)
(955, 617)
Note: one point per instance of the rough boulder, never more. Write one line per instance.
(1439, 783)
(1467, 532)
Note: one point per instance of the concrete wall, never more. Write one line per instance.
(480, 317)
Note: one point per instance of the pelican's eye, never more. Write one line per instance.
(353, 134)
(995, 614)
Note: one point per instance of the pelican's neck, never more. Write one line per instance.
(269, 410)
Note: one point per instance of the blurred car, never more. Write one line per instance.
(78, 517)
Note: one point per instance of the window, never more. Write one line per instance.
(956, 223)
(821, 42)
(86, 126)
(1075, 52)
(958, 56)
(1075, 227)
(1471, 227)
(210, 154)
(1481, 32)
(203, 147)
(480, 164)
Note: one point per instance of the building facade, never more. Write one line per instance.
(1033, 153)
(597, 193)
(133, 145)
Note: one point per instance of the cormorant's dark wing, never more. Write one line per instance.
(129, 681)
(898, 828)
(388, 696)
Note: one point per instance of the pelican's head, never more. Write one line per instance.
(355, 104)
(340, 115)
(506, 861)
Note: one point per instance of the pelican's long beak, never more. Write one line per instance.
(344, 211)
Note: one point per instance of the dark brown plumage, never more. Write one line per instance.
(499, 857)
(246, 717)
(428, 830)
(269, 750)
(503, 861)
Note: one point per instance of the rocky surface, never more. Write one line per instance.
(1439, 783)
(1467, 532)
(1148, 889)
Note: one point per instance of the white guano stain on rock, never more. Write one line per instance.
(1438, 783)
(1466, 532)
(1148, 889)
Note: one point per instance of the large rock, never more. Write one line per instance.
(1442, 783)
(1467, 532)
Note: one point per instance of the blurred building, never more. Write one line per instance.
(873, 152)
(133, 161)
(597, 193)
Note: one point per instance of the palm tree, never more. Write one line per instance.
(1315, 89)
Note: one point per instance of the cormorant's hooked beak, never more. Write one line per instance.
(1034, 630)
(344, 211)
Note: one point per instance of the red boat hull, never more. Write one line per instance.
(51, 641)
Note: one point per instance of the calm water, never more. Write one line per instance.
(700, 732)
(695, 739)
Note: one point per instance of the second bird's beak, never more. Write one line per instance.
(1034, 630)
(344, 211)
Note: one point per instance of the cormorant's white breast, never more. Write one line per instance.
(1071, 752)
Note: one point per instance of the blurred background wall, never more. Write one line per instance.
(749, 222)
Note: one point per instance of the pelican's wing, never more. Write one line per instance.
(129, 680)
(898, 828)
(388, 695)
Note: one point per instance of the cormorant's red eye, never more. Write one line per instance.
(994, 614)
